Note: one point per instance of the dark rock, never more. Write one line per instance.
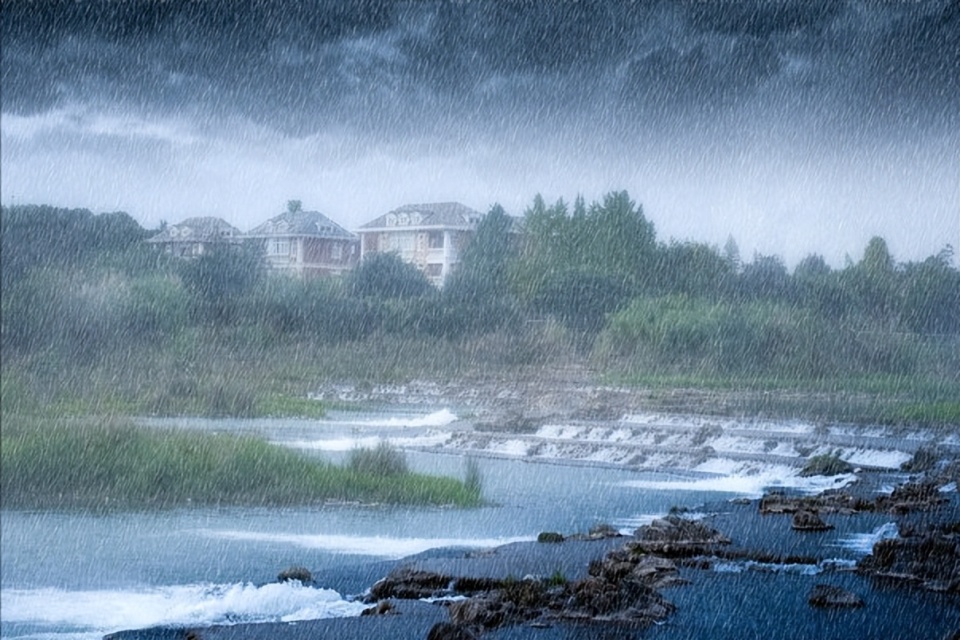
(655, 572)
(300, 574)
(448, 631)
(486, 612)
(827, 502)
(825, 595)
(382, 608)
(809, 521)
(549, 536)
(931, 559)
(407, 583)
(676, 537)
(912, 496)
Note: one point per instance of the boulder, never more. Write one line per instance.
(829, 596)
(295, 573)
(809, 521)
(673, 536)
(449, 631)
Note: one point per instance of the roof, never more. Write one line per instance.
(200, 229)
(301, 223)
(437, 215)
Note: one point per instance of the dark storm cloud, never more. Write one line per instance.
(393, 66)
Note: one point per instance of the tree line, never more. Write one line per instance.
(79, 284)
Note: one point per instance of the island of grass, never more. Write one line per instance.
(107, 464)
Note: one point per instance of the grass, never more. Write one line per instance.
(94, 464)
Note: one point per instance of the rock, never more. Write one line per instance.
(827, 502)
(931, 559)
(549, 536)
(912, 496)
(673, 536)
(382, 608)
(448, 631)
(825, 595)
(297, 573)
(486, 612)
(655, 572)
(408, 583)
(809, 521)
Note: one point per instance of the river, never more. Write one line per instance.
(77, 575)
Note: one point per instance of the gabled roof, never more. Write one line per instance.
(200, 229)
(436, 215)
(301, 223)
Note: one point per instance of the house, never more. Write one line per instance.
(430, 236)
(195, 236)
(306, 243)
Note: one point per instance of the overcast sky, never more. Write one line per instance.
(794, 126)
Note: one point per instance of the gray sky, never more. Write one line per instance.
(795, 126)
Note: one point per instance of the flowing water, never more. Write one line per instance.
(79, 575)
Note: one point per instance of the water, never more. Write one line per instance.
(77, 576)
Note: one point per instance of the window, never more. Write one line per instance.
(336, 252)
(434, 270)
(278, 247)
(435, 240)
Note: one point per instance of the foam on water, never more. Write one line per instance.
(863, 542)
(767, 567)
(345, 443)
(440, 418)
(746, 479)
(98, 612)
(376, 546)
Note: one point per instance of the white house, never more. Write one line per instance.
(430, 236)
(195, 236)
(306, 243)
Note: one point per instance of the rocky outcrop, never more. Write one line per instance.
(676, 537)
(912, 496)
(809, 521)
(829, 596)
(827, 502)
(931, 559)
(408, 583)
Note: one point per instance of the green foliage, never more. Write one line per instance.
(218, 278)
(581, 300)
(36, 237)
(758, 337)
(387, 276)
(384, 460)
(97, 465)
(473, 478)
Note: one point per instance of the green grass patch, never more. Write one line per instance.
(62, 463)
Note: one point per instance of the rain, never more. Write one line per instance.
(463, 319)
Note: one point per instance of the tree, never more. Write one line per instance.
(482, 273)
(475, 297)
(387, 276)
(220, 276)
(731, 254)
(765, 277)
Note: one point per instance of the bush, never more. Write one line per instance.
(384, 460)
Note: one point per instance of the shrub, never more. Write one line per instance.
(384, 460)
